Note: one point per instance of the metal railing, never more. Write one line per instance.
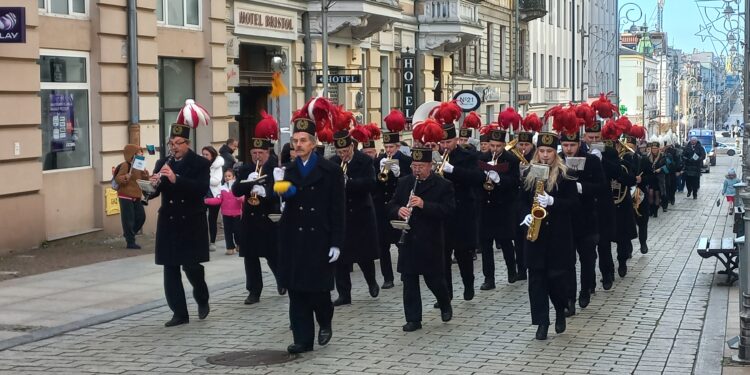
(450, 11)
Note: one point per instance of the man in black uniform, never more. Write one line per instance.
(311, 233)
(590, 181)
(641, 208)
(693, 155)
(398, 166)
(182, 180)
(258, 236)
(360, 240)
(426, 202)
(461, 237)
(498, 207)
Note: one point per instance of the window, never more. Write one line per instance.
(551, 77)
(558, 73)
(541, 71)
(477, 57)
(559, 13)
(178, 12)
(64, 92)
(502, 51)
(521, 68)
(461, 61)
(534, 74)
(176, 84)
(63, 7)
(490, 45)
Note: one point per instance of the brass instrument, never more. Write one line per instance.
(446, 158)
(625, 148)
(344, 166)
(538, 213)
(511, 147)
(253, 200)
(383, 175)
(488, 184)
(618, 189)
(404, 231)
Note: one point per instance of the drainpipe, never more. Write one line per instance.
(516, 69)
(134, 129)
(307, 41)
(417, 69)
(573, 52)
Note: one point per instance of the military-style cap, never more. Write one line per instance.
(449, 131)
(303, 125)
(179, 130)
(261, 144)
(464, 133)
(421, 155)
(575, 137)
(391, 137)
(547, 139)
(368, 144)
(527, 137)
(484, 138)
(596, 128)
(342, 139)
(497, 135)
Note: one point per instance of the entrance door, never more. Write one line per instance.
(176, 84)
(252, 101)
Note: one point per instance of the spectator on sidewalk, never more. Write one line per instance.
(728, 189)
(226, 152)
(132, 214)
(693, 155)
(215, 174)
(231, 211)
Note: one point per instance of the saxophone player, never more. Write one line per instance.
(551, 255)
(427, 202)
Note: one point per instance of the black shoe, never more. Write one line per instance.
(411, 326)
(607, 282)
(570, 310)
(176, 321)
(252, 299)
(469, 293)
(297, 349)
(203, 311)
(622, 269)
(446, 314)
(387, 284)
(671, 201)
(324, 336)
(644, 249)
(436, 305)
(374, 290)
(521, 276)
(541, 331)
(584, 299)
(133, 246)
(281, 290)
(689, 194)
(487, 286)
(695, 196)
(342, 301)
(560, 323)
(512, 276)
(664, 209)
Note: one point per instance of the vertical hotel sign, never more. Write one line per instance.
(409, 89)
(12, 25)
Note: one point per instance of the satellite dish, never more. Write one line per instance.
(423, 112)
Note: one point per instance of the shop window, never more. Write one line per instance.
(65, 124)
(176, 84)
(63, 7)
(185, 13)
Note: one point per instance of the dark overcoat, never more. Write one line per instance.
(384, 193)
(423, 250)
(467, 178)
(620, 172)
(591, 178)
(313, 221)
(258, 234)
(500, 206)
(693, 166)
(182, 226)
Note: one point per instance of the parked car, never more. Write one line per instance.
(723, 148)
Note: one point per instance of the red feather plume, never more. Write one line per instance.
(343, 120)
(395, 121)
(267, 127)
(509, 117)
(610, 131)
(447, 112)
(565, 120)
(637, 131)
(587, 114)
(360, 133)
(603, 107)
(532, 123)
(431, 131)
(321, 111)
(374, 131)
(417, 131)
(325, 134)
(623, 124)
(486, 129)
(472, 121)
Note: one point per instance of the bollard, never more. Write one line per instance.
(743, 354)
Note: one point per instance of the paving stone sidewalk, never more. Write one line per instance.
(652, 321)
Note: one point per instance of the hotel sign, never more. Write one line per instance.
(408, 84)
(257, 21)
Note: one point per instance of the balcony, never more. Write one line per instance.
(532, 9)
(556, 95)
(355, 19)
(448, 25)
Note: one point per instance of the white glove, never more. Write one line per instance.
(494, 177)
(396, 169)
(579, 187)
(596, 153)
(282, 206)
(448, 168)
(333, 254)
(259, 190)
(526, 221)
(278, 174)
(545, 200)
(253, 176)
(382, 162)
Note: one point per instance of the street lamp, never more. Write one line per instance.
(627, 13)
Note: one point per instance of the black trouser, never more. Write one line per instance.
(518, 245)
(344, 278)
(606, 264)
(254, 275)
(546, 285)
(413, 296)
(624, 250)
(693, 184)
(386, 265)
(465, 260)
(175, 293)
(670, 181)
(586, 249)
(488, 257)
(231, 230)
(302, 306)
(213, 217)
(132, 216)
(642, 222)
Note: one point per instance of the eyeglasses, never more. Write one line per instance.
(173, 144)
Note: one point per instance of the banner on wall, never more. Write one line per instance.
(62, 120)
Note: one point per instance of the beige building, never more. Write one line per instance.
(64, 96)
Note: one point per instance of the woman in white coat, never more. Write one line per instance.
(217, 162)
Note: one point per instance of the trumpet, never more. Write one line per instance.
(344, 166)
(625, 148)
(488, 185)
(511, 147)
(538, 213)
(383, 175)
(404, 231)
(445, 159)
(253, 200)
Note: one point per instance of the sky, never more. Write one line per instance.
(682, 20)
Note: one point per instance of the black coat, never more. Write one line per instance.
(361, 239)
(423, 250)
(655, 167)
(182, 226)
(591, 178)
(258, 234)
(621, 174)
(499, 206)
(693, 167)
(226, 153)
(554, 249)
(384, 193)
(313, 221)
(463, 228)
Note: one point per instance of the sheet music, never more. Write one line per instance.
(146, 186)
(575, 163)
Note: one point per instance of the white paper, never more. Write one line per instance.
(400, 225)
(598, 146)
(575, 163)
(146, 186)
(139, 163)
(539, 171)
(695, 157)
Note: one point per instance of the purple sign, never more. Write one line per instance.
(62, 118)
(12, 25)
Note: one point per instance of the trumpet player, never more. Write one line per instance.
(427, 202)
(498, 207)
(360, 239)
(393, 165)
(551, 255)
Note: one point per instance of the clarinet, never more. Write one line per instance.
(170, 159)
(408, 205)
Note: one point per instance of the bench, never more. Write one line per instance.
(725, 251)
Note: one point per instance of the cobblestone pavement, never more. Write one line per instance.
(650, 322)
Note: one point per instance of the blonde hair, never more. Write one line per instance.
(556, 169)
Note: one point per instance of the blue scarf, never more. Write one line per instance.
(305, 170)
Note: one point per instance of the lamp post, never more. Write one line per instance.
(627, 13)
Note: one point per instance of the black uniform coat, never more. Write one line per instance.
(625, 227)
(499, 206)
(693, 167)
(384, 193)
(462, 231)
(655, 177)
(258, 234)
(182, 226)
(423, 249)
(591, 178)
(554, 249)
(313, 221)
(360, 241)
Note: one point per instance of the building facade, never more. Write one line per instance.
(600, 38)
(638, 88)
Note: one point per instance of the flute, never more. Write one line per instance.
(408, 205)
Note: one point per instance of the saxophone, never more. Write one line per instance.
(538, 213)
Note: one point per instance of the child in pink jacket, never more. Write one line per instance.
(231, 211)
